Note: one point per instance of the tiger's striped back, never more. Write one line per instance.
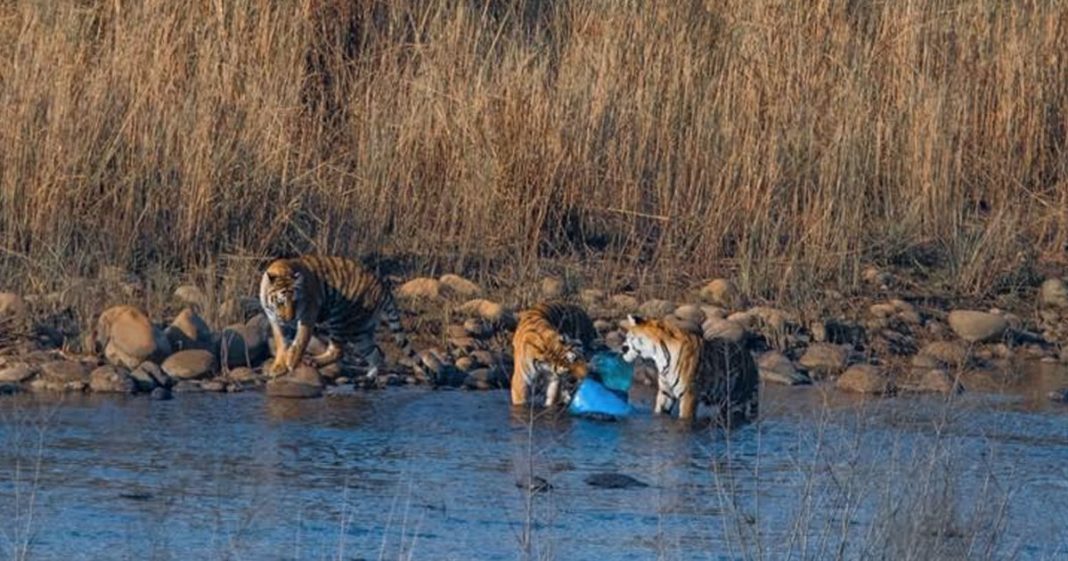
(550, 340)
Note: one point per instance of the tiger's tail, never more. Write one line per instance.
(393, 321)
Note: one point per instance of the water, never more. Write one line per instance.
(408, 473)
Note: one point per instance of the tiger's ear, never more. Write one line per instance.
(271, 278)
(633, 321)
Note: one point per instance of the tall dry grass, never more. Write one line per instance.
(787, 143)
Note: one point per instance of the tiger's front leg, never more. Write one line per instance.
(664, 401)
(552, 391)
(300, 343)
(278, 367)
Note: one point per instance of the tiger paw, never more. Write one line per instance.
(277, 368)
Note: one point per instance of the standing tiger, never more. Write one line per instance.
(336, 294)
(550, 340)
(720, 373)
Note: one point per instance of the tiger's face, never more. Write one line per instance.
(280, 290)
(645, 339)
(566, 362)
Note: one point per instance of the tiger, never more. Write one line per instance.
(718, 372)
(337, 294)
(550, 340)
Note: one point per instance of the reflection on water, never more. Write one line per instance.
(410, 473)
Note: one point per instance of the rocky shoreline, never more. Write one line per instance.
(889, 346)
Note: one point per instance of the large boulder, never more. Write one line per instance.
(190, 365)
(128, 337)
(188, 331)
(242, 344)
(974, 326)
(825, 358)
(656, 308)
(717, 328)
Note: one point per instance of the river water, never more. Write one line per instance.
(408, 473)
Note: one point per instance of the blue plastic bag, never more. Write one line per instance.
(592, 398)
(614, 372)
(605, 391)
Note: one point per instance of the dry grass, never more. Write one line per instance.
(640, 143)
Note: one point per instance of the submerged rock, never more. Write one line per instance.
(303, 383)
(612, 480)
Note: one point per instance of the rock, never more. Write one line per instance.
(974, 326)
(12, 307)
(488, 310)
(1053, 294)
(591, 297)
(685, 325)
(188, 386)
(613, 481)
(16, 373)
(477, 327)
(111, 379)
(243, 375)
(656, 308)
(128, 338)
(303, 383)
(777, 369)
(143, 381)
(714, 312)
(242, 345)
(465, 363)
(864, 378)
(240, 309)
(215, 386)
(455, 285)
(192, 296)
(873, 275)
(486, 379)
(188, 331)
(453, 331)
(720, 292)
(464, 344)
(690, 313)
(152, 370)
(485, 358)
(925, 362)
(190, 365)
(64, 371)
(603, 325)
(422, 288)
(536, 484)
(451, 377)
(161, 394)
(744, 319)
(882, 310)
(906, 312)
(825, 358)
(553, 288)
(715, 328)
(624, 302)
(938, 381)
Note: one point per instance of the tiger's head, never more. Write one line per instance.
(646, 338)
(281, 288)
(563, 357)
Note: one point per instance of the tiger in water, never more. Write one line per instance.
(336, 294)
(551, 341)
(718, 372)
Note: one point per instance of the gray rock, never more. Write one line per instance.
(455, 285)
(974, 326)
(825, 358)
(1053, 293)
(656, 308)
(143, 381)
(215, 386)
(777, 369)
(190, 365)
(64, 371)
(612, 480)
(111, 379)
(128, 337)
(421, 288)
(153, 371)
(188, 331)
(16, 373)
(690, 313)
(716, 328)
(864, 378)
(552, 288)
(486, 379)
(478, 328)
(242, 345)
(720, 292)
(188, 386)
